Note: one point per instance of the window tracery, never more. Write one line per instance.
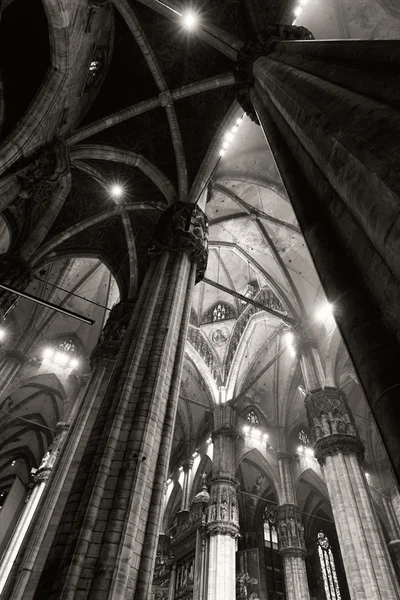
(304, 439)
(252, 418)
(67, 346)
(328, 568)
(221, 311)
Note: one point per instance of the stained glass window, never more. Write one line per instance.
(304, 439)
(252, 418)
(328, 568)
(219, 313)
(67, 346)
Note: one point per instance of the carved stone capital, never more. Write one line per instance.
(291, 529)
(183, 227)
(293, 552)
(328, 413)
(223, 529)
(113, 333)
(253, 49)
(338, 442)
(222, 514)
(49, 163)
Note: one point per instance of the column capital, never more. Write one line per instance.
(183, 227)
(332, 425)
(188, 464)
(255, 48)
(291, 530)
(222, 515)
(48, 163)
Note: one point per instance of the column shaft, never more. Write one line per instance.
(223, 517)
(107, 540)
(330, 111)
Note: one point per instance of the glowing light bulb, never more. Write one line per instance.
(222, 152)
(117, 190)
(300, 450)
(238, 121)
(297, 11)
(180, 468)
(229, 136)
(225, 145)
(189, 19)
(2, 334)
(209, 441)
(246, 429)
(48, 353)
(74, 363)
(195, 454)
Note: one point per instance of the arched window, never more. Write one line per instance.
(273, 562)
(253, 419)
(328, 568)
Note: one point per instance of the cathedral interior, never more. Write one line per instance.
(199, 300)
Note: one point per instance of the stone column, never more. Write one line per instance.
(223, 516)
(172, 582)
(339, 450)
(291, 534)
(70, 473)
(31, 503)
(330, 111)
(392, 527)
(107, 545)
(187, 477)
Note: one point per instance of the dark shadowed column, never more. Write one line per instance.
(330, 112)
(108, 543)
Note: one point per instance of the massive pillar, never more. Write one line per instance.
(223, 517)
(70, 469)
(291, 534)
(38, 485)
(330, 112)
(106, 542)
(339, 450)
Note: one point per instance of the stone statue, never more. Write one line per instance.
(317, 428)
(283, 533)
(333, 422)
(349, 427)
(325, 424)
(293, 531)
(301, 533)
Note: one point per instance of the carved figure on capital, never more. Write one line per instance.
(183, 227)
(113, 333)
(50, 163)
